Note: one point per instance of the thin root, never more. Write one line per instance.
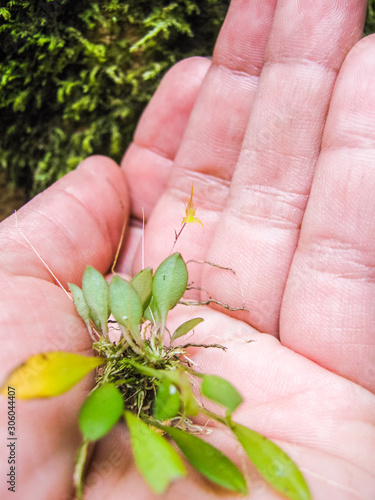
(191, 344)
(118, 247)
(211, 264)
(41, 258)
(212, 301)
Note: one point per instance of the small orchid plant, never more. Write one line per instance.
(147, 381)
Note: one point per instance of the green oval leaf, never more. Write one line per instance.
(49, 374)
(169, 284)
(142, 284)
(155, 458)
(208, 460)
(221, 391)
(95, 292)
(273, 463)
(126, 306)
(100, 412)
(80, 303)
(185, 328)
(167, 401)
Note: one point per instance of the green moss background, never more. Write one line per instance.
(75, 75)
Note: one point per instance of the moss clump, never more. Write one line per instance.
(75, 76)
(137, 388)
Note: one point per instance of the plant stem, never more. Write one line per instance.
(214, 416)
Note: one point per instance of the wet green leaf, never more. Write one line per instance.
(142, 283)
(80, 303)
(208, 460)
(100, 412)
(167, 401)
(96, 294)
(155, 458)
(185, 328)
(169, 284)
(126, 305)
(49, 374)
(221, 391)
(273, 463)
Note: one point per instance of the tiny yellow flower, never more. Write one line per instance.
(190, 212)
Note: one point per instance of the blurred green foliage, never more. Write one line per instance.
(370, 20)
(76, 75)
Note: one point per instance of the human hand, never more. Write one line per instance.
(252, 148)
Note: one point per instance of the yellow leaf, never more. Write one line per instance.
(49, 374)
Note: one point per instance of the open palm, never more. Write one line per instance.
(280, 148)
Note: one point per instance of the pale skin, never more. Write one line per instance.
(277, 134)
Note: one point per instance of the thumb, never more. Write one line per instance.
(75, 222)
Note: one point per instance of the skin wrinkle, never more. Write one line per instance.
(328, 71)
(254, 31)
(218, 145)
(291, 112)
(202, 182)
(243, 74)
(165, 155)
(361, 259)
(275, 174)
(299, 14)
(225, 142)
(352, 148)
(351, 139)
(336, 484)
(227, 158)
(274, 221)
(276, 193)
(327, 452)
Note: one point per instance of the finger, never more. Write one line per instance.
(74, 223)
(259, 229)
(148, 160)
(328, 311)
(212, 140)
